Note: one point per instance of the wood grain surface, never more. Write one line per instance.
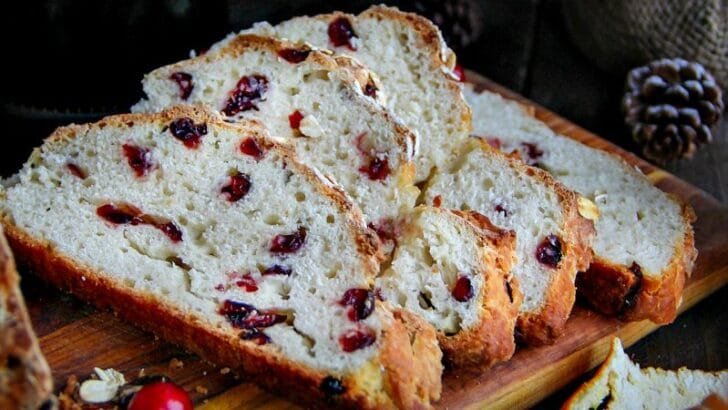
(76, 338)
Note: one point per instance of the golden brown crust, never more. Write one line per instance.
(25, 379)
(544, 326)
(631, 294)
(492, 339)
(410, 348)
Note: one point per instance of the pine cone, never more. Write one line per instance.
(670, 106)
(459, 20)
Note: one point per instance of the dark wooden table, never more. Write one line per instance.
(524, 47)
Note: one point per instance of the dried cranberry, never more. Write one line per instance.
(236, 312)
(356, 339)
(332, 386)
(124, 214)
(500, 209)
(237, 188)
(370, 90)
(385, 229)
(278, 270)
(549, 252)
(377, 169)
(294, 120)
(120, 215)
(437, 201)
(184, 82)
(248, 283)
(219, 287)
(361, 302)
(463, 290)
(341, 32)
(531, 152)
(247, 93)
(250, 147)
(185, 130)
(289, 243)
(139, 159)
(255, 335)
(294, 55)
(494, 142)
(262, 319)
(161, 395)
(76, 171)
(170, 229)
(459, 72)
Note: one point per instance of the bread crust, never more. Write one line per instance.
(548, 323)
(262, 364)
(631, 295)
(491, 340)
(25, 378)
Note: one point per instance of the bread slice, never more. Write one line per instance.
(25, 379)
(621, 384)
(214, 236)
(306, 97)
(453, 269)
(553, 239)
(407, 53)
(644, 247)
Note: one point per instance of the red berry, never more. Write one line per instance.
(549, 251)
(463, 290)
(289, 243)
(246, 95)
(361, 302)
(294, 55)
(237, 188)
(255, 335)
(370, 90)
(139, 159)
(500, 209)
(76, 171)
(124, 214)
(459, 72)
(294, 120)
(185, 130)
(250, 146)
(531, 153)
(377, 169)
(341, 33)
(278, 270)
(184, 82)
(494, 142)
(356, 339)
(248, 283)
(161, 396)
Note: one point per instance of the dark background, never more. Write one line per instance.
(74, 61)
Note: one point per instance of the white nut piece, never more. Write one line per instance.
(310, 127)
(104, 389)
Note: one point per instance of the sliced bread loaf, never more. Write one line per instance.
(25, 379)
(643, 249)
(621, 384)
(412, 61)
(215, 237)
(552, 238)
(453, 269)
(304, 96)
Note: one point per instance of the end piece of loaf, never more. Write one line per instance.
(552, 238)
(306, 97)
(215, 237)
(621, 384)
(409, 56)
(453, 269)
(25, 379)
(644, 247)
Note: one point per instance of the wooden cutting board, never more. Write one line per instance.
(76, 338)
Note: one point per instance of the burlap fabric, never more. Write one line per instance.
(617, 35)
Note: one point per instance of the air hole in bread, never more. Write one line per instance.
(300, 196)
(330, 219)
(273, 220)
